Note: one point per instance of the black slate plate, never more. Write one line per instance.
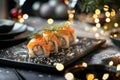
(17, 56)
(6, 25)
(21, 35)
(17, 29)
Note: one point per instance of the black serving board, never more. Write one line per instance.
(17, 29)
(17, 56)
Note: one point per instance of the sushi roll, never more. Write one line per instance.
(72, 37)
(63, 36)
(52, 40)
(38, 47)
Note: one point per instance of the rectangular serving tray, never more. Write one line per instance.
(17, 56)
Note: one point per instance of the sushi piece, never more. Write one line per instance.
(52, 40)
(72, 37)
(63, 36)
(38, 46)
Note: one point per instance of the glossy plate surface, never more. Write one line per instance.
(21, 36)
(17, 29)
(6, 25)
(17, 56)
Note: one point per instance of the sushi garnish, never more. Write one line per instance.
(49, 40)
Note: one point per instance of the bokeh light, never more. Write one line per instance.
(97, 11)
(50, 21)
(107, 20)
(69, 76)
(59, 66)
(25, 16)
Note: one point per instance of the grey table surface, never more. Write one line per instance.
(82, 29)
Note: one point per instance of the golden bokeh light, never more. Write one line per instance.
(25, 16)
(98, 25)
(107, 20)
(90, 76)
(105, 27)
(97, 11)
(71, 16)
(50, 21)
(97, 20)
(96, 79)
(107, 14)
(105, 76)
(106, 7)
(69, 76)
(95, 16)
(19, 16)
(21, 20)
(118, 67)
(102, 32)
(116, 24)
(84, 64)
(66, 2)
(113, 12)
(70, 11)
(111, 63)
(97, 35)
(115, 35)
(59, 66)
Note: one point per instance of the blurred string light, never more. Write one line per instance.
(50, 21)
(71, 11)
(106, 8)
(71, 15)
(116, 25)
(105, 76)
(107, 19)
(66, 2)
(115, 35)
(69, 76)
(105, 27)
(95, 16)
(107, 14)
(59, 66)
(118, 67)
(111, 63)
(25, 16)
(84, 64)
(97, 35)
(21, 20)
(97, 20)
(90, 76)
(113, 13)
(98, 25)
(97, 11)
(102, 32)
